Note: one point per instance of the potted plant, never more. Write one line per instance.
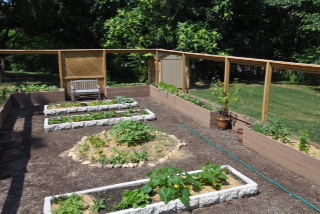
(225, 100)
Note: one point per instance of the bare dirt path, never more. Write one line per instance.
(31, 169)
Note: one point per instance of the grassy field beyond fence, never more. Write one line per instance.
(298, 105)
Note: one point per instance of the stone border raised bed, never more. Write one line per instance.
(287, 157)
(103, 122)
(57, 111)
(248, 189)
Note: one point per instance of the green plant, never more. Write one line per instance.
(122, 100)
(304, 143)
(212, 175)
(134, 199)
(276, 128)
(34, 88)
(99, 205)
(171, 183)
(74, 204)
(83, 149)
(225, 99)
(168, 88)
(96, 141)
(131, 132)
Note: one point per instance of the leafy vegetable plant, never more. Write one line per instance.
(276, 128)
(171, 183)
(304, 143)
(131, 132)
(168, 88)
(134, 198)
(74, 204)
(212, 175)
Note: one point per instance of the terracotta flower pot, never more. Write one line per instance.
(240, 135)
(223, 123)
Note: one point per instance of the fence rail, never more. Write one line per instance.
(269, 66)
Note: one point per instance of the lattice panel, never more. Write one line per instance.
(84, 63)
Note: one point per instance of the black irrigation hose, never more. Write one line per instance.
(251, 168)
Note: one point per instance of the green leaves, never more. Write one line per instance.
(73, 204)
(304, 143)
(212, 175)
(167, 194)
(131, 132)
(135, 199)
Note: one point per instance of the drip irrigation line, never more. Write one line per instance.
(251, 168)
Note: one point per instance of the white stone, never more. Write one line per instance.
(125, 165)
(109, 166)
(249, 188)
(151, 164)
(86, 162)
(130, 165)
(117, 166)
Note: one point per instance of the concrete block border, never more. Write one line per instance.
(103, 122)
(50, 112)
(249, 188)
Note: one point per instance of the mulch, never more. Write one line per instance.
(31, 169)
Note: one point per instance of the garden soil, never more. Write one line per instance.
(31, 168)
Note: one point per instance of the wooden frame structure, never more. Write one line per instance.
(101, 74)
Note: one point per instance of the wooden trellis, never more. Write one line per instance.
(82, 64)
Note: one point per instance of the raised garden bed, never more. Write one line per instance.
(99, 122)
(85, 108)
(248, 188)
(282, 154)
(38, 98)
(203, 116)
(128, 91)
(5, 110)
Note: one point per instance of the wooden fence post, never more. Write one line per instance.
(226, 77)
(266, 93)
(60, 69)
(157, 67)
(104, 68)
(184, 73)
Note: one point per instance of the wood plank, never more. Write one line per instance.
(128, 51)
(291, 159)
(13, 52)
(310, 68)
(84, 77)
(266, 93)
(292, 166)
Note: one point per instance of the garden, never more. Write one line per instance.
(39, 164)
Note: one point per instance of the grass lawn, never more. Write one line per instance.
(298, 105)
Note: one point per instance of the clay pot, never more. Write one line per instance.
(240, 135)
(223, 123)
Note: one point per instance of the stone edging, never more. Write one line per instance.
(49, 112)
(248, 189)
(71, 153)
(104, 122)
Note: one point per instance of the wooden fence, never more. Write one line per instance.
(95, 61)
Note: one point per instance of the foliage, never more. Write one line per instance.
(73, 204)
(120, 157)
(134, 199)
(123, 100)
(197, 38)
(4, 95)
(168, 88)
(83, 117)
(212, 175)
(35, 88)
(226, 99)
(131, 132)
(83, 149)
(171, 183)
(275, 127)
(304, 144)
(99, 205)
